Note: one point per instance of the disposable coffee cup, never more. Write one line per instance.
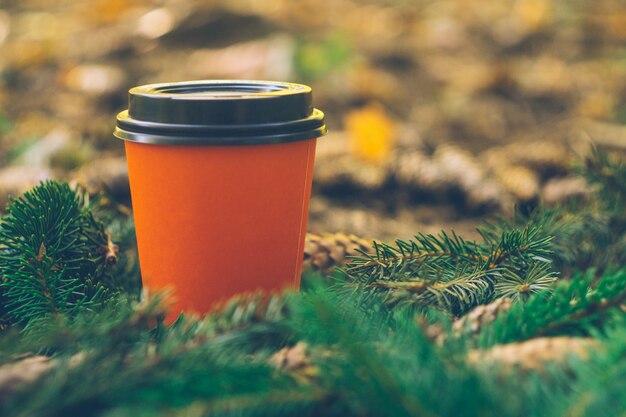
(220, 176)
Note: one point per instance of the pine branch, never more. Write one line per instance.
(571, 308)
(407, 256)
(455, 294)
(41, 289)
(538, 278)
(53, 257)
(450, 273)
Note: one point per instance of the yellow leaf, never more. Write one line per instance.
(533, 14)
(371, 133)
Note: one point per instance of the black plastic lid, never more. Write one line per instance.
(220, 112)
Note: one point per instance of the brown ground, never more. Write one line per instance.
(441, 112)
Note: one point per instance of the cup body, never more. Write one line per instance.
(220, 175)
(215, 221)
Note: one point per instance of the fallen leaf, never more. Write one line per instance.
(371, 133)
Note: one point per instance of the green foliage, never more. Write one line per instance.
(452, 274)
(572, 308)
(356, 365)
(56, 258)
(194, 367)
(314, 59)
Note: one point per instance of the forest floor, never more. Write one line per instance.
(440, 112)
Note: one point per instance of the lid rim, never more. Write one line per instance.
(152, 139)
(161, 89)
(126, 121)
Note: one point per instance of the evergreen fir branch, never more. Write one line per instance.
(515, 284)
(448, 272)
(457, 293)
(572, 306)
(582, 236)
(382, 365)
(246, 309)
(407, 256)
(39, 289)
(190, 361)
(51, 259)
(525, 244)
(613, 287)
(122, 265)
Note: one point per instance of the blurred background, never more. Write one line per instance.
(441, 112)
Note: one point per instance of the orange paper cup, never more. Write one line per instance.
(220, 175)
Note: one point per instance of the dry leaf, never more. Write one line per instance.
(371, 133)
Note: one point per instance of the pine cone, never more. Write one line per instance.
(465, 172)
(325, 252)
(414, 169)
(534, 354)
(481, 315)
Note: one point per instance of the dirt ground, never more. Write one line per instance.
(441, 112)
